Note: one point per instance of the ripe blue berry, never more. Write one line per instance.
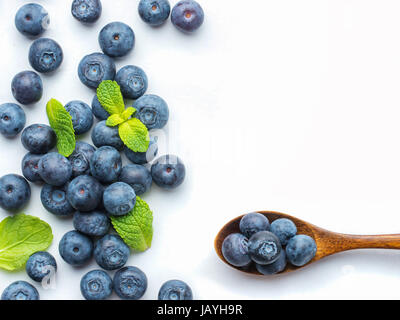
(111, 252)
(27, 87)
(86, 11)
(32, 20)
(45, 55)
(187, 15)
(154, 12)
(12, 119)
(82, 116)
(20, 290)
(95, 68)
(75, 248)
(116, 39)
(130, 283)
(132, 81)
(96, 285)
(40, 265)
(54, 199)
(15, 192)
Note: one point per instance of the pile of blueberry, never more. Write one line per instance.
(268, 246)
(91, 184)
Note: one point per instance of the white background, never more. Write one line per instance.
(286, 105)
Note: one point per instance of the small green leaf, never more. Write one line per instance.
(135, 135)
(114, 120)
(136, 228)
(61, 122)
(21, 236)
(110, 97)
(128, 113)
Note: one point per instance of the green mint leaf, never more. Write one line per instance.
(134, 135)
(116, 119)
(110, 97)
(21, 236)
(136, 228)
(61, 122)
(128, 113)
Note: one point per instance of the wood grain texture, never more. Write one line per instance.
(328, 242)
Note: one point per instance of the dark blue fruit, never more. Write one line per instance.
(235, 250)
(54, 199)
(95, 223)
(98, 110)
(15, 192)
(103, 135)
(30, 167)
(80, 158)
(130, 283)
(75, 248)
(152, 111)
(55, 169)
(138, 177)
(116, 39)
(32, 20)
(45, 55)
(95, 68)
(132, 81)
(12, 119)
(300, 250)
(106, 164)
(85, 193)
(154, 12)
(252, 223)
(119, 198)
(175, 290)
(27, 87)
(143, 157)
(82, 116)
(168, 172)
(38, 138)
(87, 11)
(40, 265)
(111, 252)
(275, 267)
(187, 15)
(264, 247)
(20, 290)
(284, 229)
(96, 285)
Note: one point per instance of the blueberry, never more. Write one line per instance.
(80, 158)
(168, 172)
(252, 223)
(75, 248)
(82, 116)
(32, 20)
(138, 177)
(143, 157)
(187, 15)
(96, 285)
(130, 283)
(20, 290)
(87, 11)
(264, 247)
(116, 39)
(12, 119)
(106, 164)
(132, 81)
(39, 265)
(38, 138)
(175, 290)
(55, 169)
(15, 192)
(119, 198)
(235, 250)
(54, 199)
(45, 55)
(111, 252)
(30, 167)
(284, 229)
(85, 193)
(154, 12)
(94, 223)
(27, 87)
(98, 110)
(275, 267)
(152, 111)
(103, 135)
(95, 68)
(300, 250)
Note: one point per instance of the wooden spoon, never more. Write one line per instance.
(327, 242)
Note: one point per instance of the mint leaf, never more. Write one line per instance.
(61, 122)
(21, 236)
(134, 135)
(136, 228)
(110, 97)
(116, 119)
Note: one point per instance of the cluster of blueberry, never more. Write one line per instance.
(269, 246)
(91, 184)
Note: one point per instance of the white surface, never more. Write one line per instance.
(285, 105)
